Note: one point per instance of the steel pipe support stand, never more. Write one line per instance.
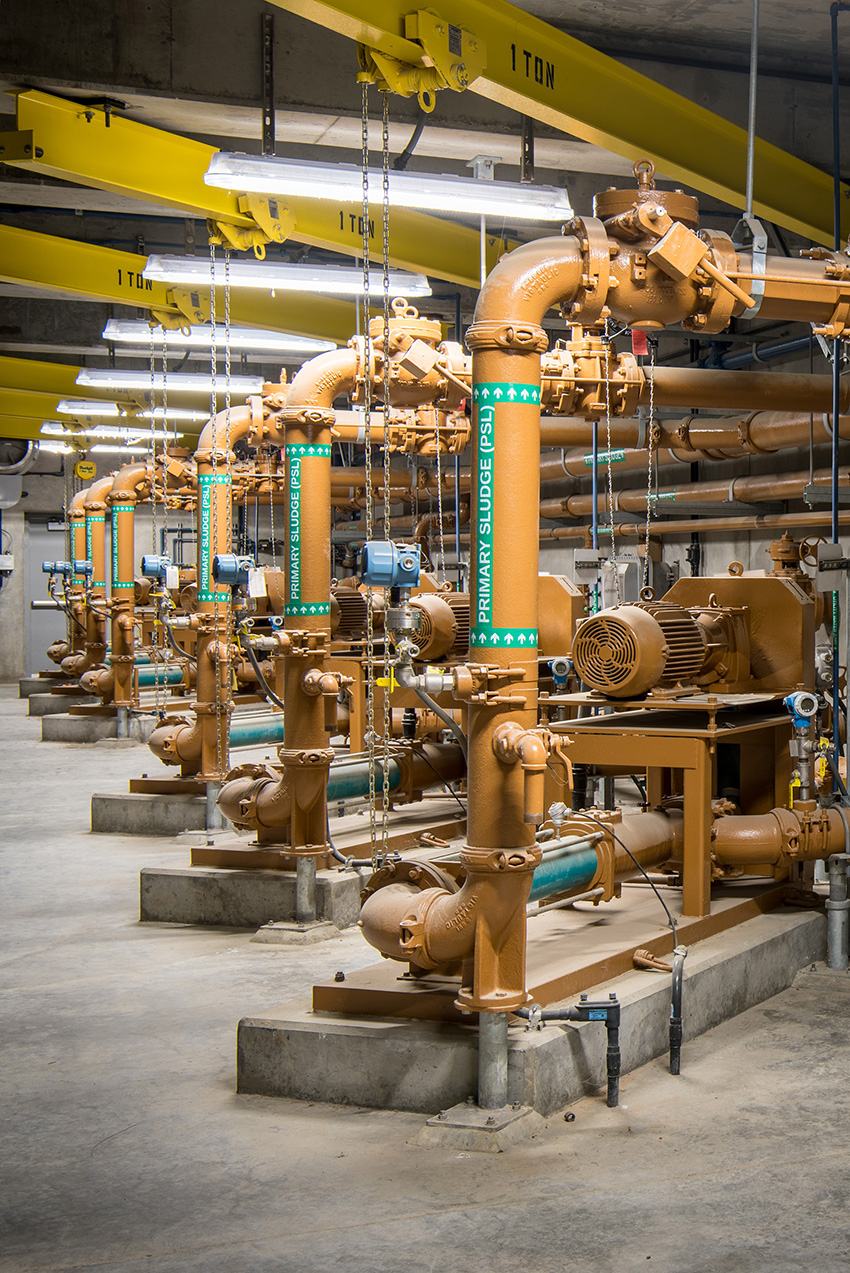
(837, 907)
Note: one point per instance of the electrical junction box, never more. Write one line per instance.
(7, 563)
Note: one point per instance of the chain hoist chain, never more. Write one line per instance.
(213, 501)
(158, 642)
(385, 251)
(154, 545)
(164, 436)
(610, 490)
(367, 434)
(650, 447)
(440, 528)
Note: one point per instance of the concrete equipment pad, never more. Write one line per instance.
(30, 685)
(42, 703)
(135, 814)
(90, 729)
(393, 1063)
(241, 899)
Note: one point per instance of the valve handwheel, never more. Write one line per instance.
(809, 549)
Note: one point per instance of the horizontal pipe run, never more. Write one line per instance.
(257, 730)
(159, 675)
(703, 525)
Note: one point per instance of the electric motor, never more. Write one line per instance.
(631, 649)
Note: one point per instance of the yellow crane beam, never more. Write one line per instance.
(62, 139)
(107, 274)
(533, 68)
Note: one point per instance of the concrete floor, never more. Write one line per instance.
(124, 1147)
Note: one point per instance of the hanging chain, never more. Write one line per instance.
(157, 651)
(385, 250)
(650, 453)
(367, 434)
(213, 503)
(610, 492)
(440, 530)
(164, 436)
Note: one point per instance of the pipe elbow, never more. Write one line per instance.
(227, 426)
(323, 379)
(524, 285)
(176, 744)
(98, 680)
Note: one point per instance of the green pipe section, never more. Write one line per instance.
(256, 730)
(350, 778)
(571, 871)
(149, 677)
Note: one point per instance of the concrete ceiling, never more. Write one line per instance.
(794, 38)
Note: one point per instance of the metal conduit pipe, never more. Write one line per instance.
(781, 391)
(705, 526)
(698, 437)
(766, 488)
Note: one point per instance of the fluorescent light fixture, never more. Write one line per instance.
(128, 332)
(182, 382)
(270, 175)
(103, 431)
(281, 276)
(117, 450)
(81, 406)
(173, 413)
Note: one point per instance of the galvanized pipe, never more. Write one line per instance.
(492, 1060)
(837, 907)
(305, 890)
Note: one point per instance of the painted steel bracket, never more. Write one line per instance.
(453, 58)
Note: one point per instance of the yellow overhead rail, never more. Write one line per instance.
(106, 274)
(533, 68)
(78, 143)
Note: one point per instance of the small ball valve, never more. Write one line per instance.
(62, 568)
(155, 566)
(230, 570)
(384, 564)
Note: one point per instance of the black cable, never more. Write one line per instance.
(401, 162)
(443, 782)
(842, 790)
(641, 788)
(606, 826)
(264, 685)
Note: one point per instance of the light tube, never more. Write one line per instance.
(81, 406)
(129, 332)
(270, 175)
(282, 276)
(181, 382)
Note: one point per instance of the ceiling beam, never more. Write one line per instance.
(76, 143)
(537, 70)
(107, 274)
